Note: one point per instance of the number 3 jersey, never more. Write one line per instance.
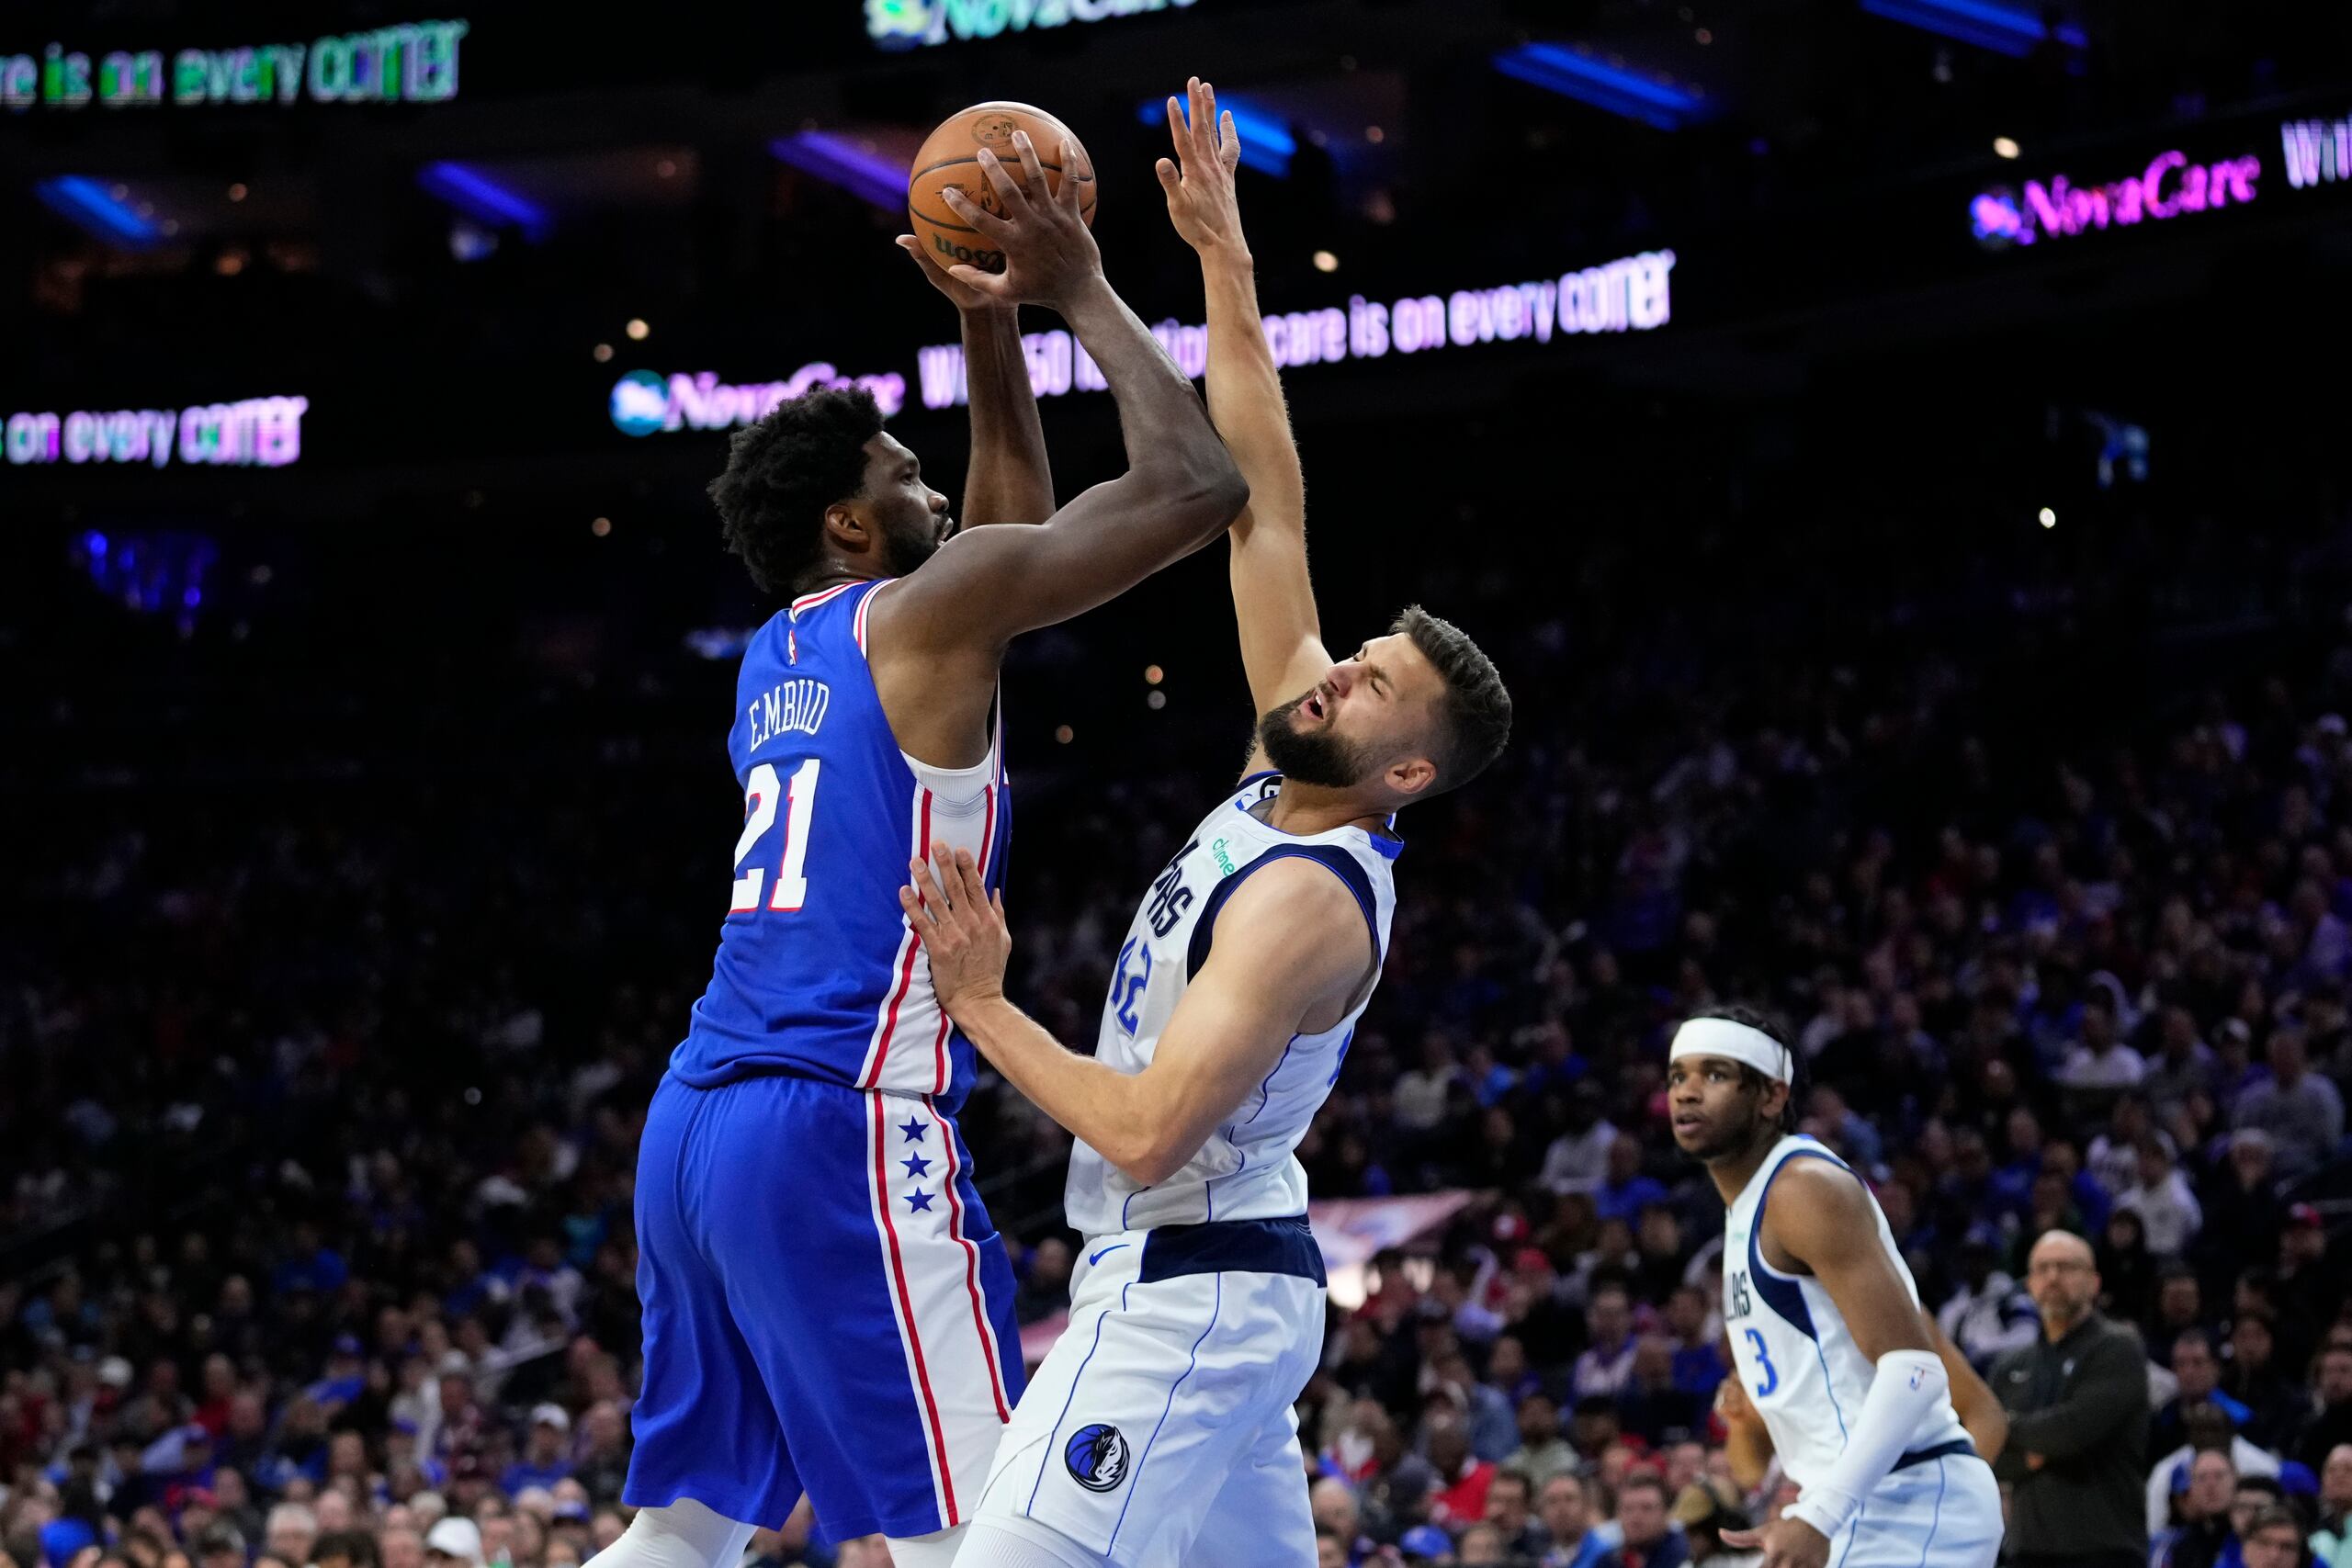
(1792, 1350)
(1247, 1169)
(819, 974)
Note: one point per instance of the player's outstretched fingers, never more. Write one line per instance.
(1032, 169)
(1743, 1540)
(972, 212)
(1078, 169)
(1229, 147)
(1008, 189)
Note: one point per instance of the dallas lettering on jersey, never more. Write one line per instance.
(797, 707)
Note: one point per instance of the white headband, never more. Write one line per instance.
(1734, 1042)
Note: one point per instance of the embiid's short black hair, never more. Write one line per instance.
(782, 473)
(1475, 715)
(1767, 1023)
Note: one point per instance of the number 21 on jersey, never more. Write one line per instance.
(761, 799)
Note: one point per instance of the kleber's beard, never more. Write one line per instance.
(1312, 756)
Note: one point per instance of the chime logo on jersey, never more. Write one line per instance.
(1097, 1457)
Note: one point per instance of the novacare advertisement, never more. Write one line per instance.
(1630, 294)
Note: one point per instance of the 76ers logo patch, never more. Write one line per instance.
(1097, 1457)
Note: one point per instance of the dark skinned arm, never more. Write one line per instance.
(940, 632)
(1971, 1398)
(1009, 478)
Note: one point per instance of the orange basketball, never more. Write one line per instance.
(950, 157)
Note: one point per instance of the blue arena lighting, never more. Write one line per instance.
(91, 206)
(1620, 91)
(482, 198)
(1266, 142)
(1986, 24)
(838, 161)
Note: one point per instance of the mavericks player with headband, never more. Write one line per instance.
(1159, 1430)
(1826, 1329)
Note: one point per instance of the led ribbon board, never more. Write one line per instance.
(2169, 186)
(645, 402)
(410, 63)
(1630, 294)
(265, 432)
(916, 23)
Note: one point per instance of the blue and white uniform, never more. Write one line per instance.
(827, 1304)
(1807, 1378)
(1160, 1429)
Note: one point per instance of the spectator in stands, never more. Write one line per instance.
(1626, 1190)
(1462, 1478)
(1646, 1532)
(2243, 1215)
(1607, 1365)
(2160, 1195)
(1577, 1160)
(2300, 1111)
(2200, 1528)
(2312, 1282)
(1650, 1406)
(2180, 1306)
(2277, 1410)
(544, 1461)
(1419, 1100)
(1481, 1547)
(2331, 1428)
(2272, 1539)
(1337, 1518)
(2197, 1369)
(1542, 1453)
(1698, 1356)
(1510, 1510)
(1989, 1313)
(1563, 1506)
(2330, 1542)
(2100, 1061)
(2204, 1429)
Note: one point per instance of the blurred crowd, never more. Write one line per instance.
(329, 1017)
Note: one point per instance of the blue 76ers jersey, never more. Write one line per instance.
(1247, 1169)
(819, 974)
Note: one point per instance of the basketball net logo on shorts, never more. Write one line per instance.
(1097, 1457)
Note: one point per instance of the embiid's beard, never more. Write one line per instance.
(1312, 757)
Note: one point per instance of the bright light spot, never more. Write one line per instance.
(1703, 36)
(1374, 135)
(237, 192)
(1325, 262)
(637, 329)
(1156, 700)
(1065, 734)
(601, 352)
(665, 168)
(2003, 147)
(602, 527)
(1153, 674)
(231, 264)
(261, 575)
(119, 192)
(2049, 518)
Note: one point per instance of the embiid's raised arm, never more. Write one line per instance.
(1282, 637)
(940, 632)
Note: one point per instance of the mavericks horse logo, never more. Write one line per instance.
(1097, 1457)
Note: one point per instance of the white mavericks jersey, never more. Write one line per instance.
(1793, 1350)
(1247, 1169)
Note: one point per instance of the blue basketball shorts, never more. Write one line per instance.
(826, 1309)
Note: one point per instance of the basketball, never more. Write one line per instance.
(950, 157)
